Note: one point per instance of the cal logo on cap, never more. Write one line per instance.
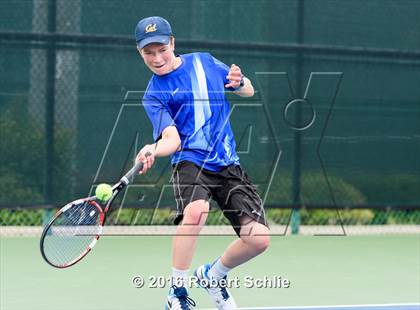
(150, 28)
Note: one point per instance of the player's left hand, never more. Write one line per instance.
(234, 76)
(147, 156)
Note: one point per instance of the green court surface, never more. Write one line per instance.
(324, 270)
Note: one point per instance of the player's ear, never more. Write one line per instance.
(172, 43)
(140, 50)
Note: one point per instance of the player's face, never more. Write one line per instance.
(159, 58)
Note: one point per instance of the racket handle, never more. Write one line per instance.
(133, 171)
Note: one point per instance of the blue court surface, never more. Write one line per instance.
(346, 307)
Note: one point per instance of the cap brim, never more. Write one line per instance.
(156, 39)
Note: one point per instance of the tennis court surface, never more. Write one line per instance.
(358, 270)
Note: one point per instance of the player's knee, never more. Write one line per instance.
(196, 213)
(261, 240)
(258, 238)
(262, 243)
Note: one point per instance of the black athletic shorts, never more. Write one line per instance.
(231, 188)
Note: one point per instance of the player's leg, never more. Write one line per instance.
(254, 240)
(242, 205)
(183, 248)
(185, 239)
(192, 210)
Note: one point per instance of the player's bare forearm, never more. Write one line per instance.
(167, 145)
(247, 90)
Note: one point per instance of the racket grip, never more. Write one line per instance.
(133, 171)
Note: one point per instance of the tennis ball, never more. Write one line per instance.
(103, 192)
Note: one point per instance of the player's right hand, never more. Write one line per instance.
(147, 157)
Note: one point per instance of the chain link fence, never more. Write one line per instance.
(72, 81)
(24, 221)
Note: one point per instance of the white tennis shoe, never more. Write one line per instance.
(178, 299)
(220, 295)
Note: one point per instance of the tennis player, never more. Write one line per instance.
(185, 101)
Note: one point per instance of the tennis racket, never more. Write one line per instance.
(74, 230)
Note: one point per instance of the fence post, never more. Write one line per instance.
(49, 110)
(297, 135)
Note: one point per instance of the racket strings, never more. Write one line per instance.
(71, 234)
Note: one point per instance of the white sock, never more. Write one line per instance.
(218, 270)
(179, 277)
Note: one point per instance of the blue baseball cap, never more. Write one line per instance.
(152, 29)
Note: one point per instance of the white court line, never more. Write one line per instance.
(327, 307)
